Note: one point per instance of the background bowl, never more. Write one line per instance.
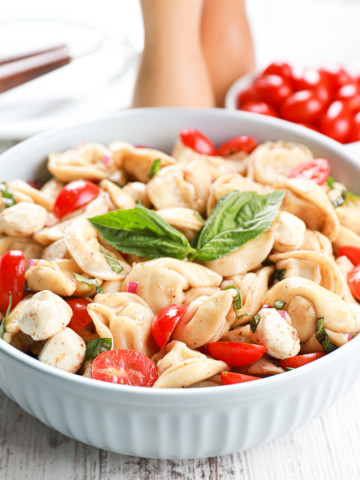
(186, 423)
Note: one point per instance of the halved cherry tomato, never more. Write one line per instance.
(355, 130)
(351, 252)
(282, 69)
(337, 122)
(302, 106)
(272, 89)
(350, 94)
(126, 367)
(80, 317)
(165, 321)
(259, 107)
(353, 281)
(236, 354)
(242, 143)
(300, 360)
(12, 278)
(246, 95)
(197, 141)
(230, 378)
(75, 195)
(336, 75)
(317, 170)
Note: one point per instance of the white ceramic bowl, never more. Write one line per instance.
(169, 423)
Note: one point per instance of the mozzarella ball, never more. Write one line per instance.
(45, 315)
(275, 332)
(23, 219)
(65, 350)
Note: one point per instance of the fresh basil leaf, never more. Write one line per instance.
(92, 282)
(97, 346)
(155, 167)
(2, 325)
(7, 195)
(238, 300)
(351, 197)
(237, 218)
(114, 264)
(330, 182)
(279, 274)
(254, 322)
(279, 305)
(322, 337)
(142, 232)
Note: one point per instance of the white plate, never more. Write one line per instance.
(95, 84)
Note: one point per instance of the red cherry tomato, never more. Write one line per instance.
(300, 360)
(336, 75)
(303, 106)
(282, 69)
(353, 281)
(230, 378)
(350, 94)
(311, 79)
(73, 196)
(246, 95)
(236, 354)
(80, 317)
(259, 107)
(355, 131)
(309, 125)
(272, 89)
(337, 121)
(351, 252)
(317, 170)
(12, 278)
(197, 141)
(242, 143)
(125, 367)
(165, 322)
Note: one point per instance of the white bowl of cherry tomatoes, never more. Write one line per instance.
(325, 99)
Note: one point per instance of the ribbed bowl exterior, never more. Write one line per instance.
(187, 423)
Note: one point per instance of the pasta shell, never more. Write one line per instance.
(290, 232)
(22, 219)
(346, 237)
(82, 241)
(186, 220)
(306, 200)
(261, 368)
(206, 319)
(138, 192)
(30, 248)
(126, 319)
(119, 198)
(271, 159)
(180, 367)
(90, 162)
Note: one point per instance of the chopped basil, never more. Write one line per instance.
(92, 282)
(237, 302)
(97, 346)
(254, 322)
(322, 337)
(279, 274)
(351, 197)
(7, 195)
(117, 184)
(267, 262)
(2, 325)
(330, 182)
(287, 369)
(142, 232)
(279, 305)
(340, 200)
(237, 218)
(114, 264)
(155, 167)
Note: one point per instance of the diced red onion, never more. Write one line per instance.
(132, 287)
(282, 313)
(31, 262)
(348, 337)
(106, 159)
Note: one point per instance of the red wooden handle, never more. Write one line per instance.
(30, 52)
(21, 71)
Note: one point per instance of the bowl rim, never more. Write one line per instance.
(252, 389)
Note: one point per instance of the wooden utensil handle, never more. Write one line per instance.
(20, 55)
(21, 71)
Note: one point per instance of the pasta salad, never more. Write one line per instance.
(210, 266)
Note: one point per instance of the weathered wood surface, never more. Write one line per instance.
(325, 449)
